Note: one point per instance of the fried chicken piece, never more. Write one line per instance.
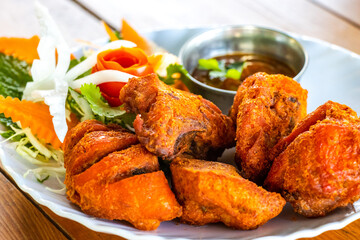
(90, 141)
(94, 146)
(266, 108)
(317, 170)
(113, 189)
(212, 192)
(114, 167)
(171, 122)
(77, 132)
(112, 184)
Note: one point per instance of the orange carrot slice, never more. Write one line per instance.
(128, 33)
(111, 34)
(130, 60)
(21, 48)
(34, 115)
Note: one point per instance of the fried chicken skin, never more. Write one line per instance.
(266, 108)
(171, 122)
(212, 192)
(77, 132)
(109, 177)
(317, 165)
(113, 189)
(94, 146)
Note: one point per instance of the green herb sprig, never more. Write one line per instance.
(217, 69)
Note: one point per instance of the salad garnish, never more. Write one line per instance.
(38, 108)
(48, 72)
(23, 49)
(14, 74)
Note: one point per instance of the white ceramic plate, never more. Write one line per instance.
(333, 73)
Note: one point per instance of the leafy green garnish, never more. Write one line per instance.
(118, 35)
(43, 179)
(173, 69)
(233, 73)
(7, 122)
(78, 105)
(235, 65)
(98, 104)
(9, 133)
(217, 69)
(101, 109)
(72, 105)
(75, 62)
(125, 120)
(209, 64)
(14, 74)
(9, 126)
(235, 70)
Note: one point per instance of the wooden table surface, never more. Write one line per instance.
(335, 21)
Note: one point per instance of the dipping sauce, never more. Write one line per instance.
(253, 63)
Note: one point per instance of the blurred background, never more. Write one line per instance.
(335, 21)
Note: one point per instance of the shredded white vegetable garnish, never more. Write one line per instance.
(51, 80)
(102, 77)
(48, 74)
(89, 62)
(83, 106)
(50, 161)
(44, 172)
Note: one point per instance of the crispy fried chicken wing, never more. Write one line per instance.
(214, 192)
(266, 108)
(317, 165)
(110, 177)
(171, 122)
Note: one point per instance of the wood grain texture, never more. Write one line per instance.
(298, 16)
(350, 232)
(19, 20)
(348, 9)
(20, 219)
(78, 231)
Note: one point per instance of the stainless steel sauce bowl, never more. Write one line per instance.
(245, 39)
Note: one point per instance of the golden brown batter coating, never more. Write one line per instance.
(214, 192)
(318, 166)
(94, 146)
(114, 167)
(266, 108)
(107, 183)
(77, 132)
(134, 160)
(112, 189)
(171, 122)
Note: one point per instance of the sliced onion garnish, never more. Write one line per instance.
(102, 77)
(49, 84)
(91, 60)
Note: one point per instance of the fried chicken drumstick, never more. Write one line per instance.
(171, 122)
(266, 108)
(109, 175)
(317, 165)
(214, 192)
